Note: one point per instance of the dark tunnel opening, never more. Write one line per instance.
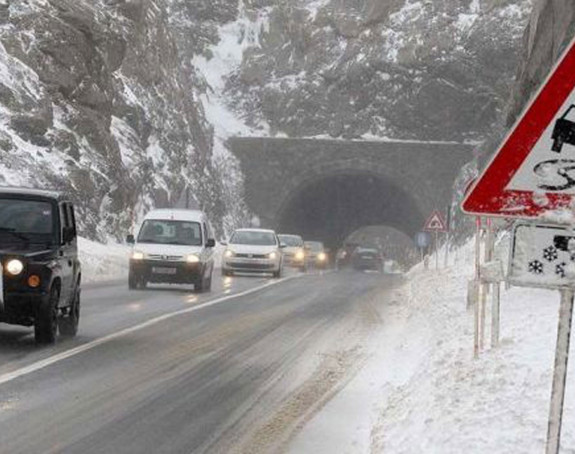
(333, 207)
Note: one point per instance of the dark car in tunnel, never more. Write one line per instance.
(367, 259)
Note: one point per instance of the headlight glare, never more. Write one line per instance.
(14, 267)
(299, 255)
(137, 255)
(192, 258)
(228, 253)
(273, 255)
(321, 256)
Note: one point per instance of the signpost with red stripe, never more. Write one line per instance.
(532, 176)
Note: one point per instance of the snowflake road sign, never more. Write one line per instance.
(534, 169)
(541, 256)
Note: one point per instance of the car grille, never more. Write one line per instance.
(252, 256)
(166, 258)
(252, 266)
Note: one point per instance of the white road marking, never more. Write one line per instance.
(5, 378)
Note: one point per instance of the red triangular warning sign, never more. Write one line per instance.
(435, 223)
(534, 170)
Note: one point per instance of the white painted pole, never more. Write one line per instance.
(476, 327)
(560, 372)
(483, 305)
(495, 315)
(477, 246)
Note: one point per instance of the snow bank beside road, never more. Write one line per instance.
(103, 262)
(451, 403)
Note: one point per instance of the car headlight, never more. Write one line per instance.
(321, 256)
(272, 255)
(137, 255)
(228, 254)
(192, 258)
(14, 267)
(299, 255)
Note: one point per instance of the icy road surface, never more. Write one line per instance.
(240, 375)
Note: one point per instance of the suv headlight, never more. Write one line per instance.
(272, 255)
(229, 253)
(14, 267)
(192, 258)
(300, 255)
(321, 256)
(137, 255)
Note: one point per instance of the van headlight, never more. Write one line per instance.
(14, 267)
(137, 255)
(192, 258)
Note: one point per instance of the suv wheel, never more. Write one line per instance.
(46, 321)
(68, 324)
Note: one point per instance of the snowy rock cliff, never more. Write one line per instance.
(551, 28)
(427, 70)
(124, 103)
(96, 100)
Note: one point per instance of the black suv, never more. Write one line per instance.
(40, 270)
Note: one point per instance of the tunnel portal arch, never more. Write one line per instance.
(333, 205)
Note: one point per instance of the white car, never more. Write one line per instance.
(294, 251)
(253, 250)
(173, 247)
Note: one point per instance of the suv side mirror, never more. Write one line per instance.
(68, 234)
(130, 239)
(211, 243)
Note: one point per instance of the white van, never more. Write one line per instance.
(173, 247)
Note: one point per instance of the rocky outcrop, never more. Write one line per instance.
(425, 70)
(551, 28)
(95, 101)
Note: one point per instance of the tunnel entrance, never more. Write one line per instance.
(330, 208)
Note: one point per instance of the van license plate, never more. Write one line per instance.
(157, 270)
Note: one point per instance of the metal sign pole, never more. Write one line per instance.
(495, 314)
(560, 371)
(436, 250)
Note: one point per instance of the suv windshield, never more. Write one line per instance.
(291, 240)
(26, 220)
(253, 238)
(171, 232)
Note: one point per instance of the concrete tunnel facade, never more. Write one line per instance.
(327, 189)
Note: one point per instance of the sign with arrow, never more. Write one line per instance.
(534, 170)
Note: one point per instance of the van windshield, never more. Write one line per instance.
(183, 233)
(26, 220)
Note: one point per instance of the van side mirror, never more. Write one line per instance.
(211, 243)
(130, 239)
